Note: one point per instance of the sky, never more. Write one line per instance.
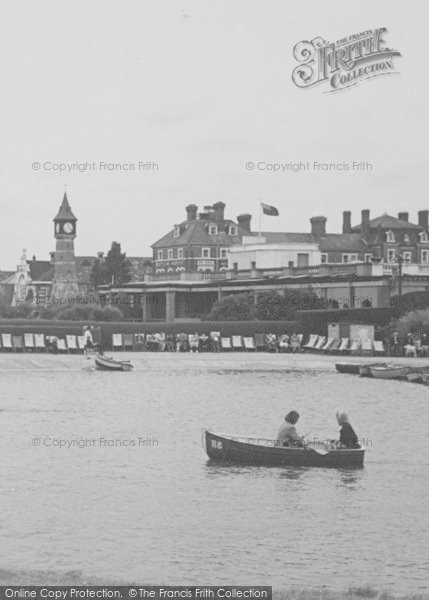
(201, 89)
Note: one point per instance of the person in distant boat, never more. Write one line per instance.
(348, 437)
(88, 339)
(287, 435)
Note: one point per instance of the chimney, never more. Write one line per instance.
(423, 219)
(318, 226)
(191, 212)
(403, 216)
(244, 221)
(219, 210)
(365, 224)
(347, 221)
(100, 255)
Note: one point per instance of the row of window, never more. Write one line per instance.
(423, 237)
(205, 253)
(391, 257)
(212, 230)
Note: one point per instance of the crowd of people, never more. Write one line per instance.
(414, 344)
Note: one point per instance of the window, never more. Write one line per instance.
(253, 264)
(425, 256)
(350, 258)
(368, 258)
(391, 256)
(424, 238)
(406, 257)
(323, 258)
(232, 230)
(223, 252)
(390, 236)
(213, 230)
(406, 239)
(179, 252)
(176, 231)
(205, 252)
(159, 254)
(170, 253)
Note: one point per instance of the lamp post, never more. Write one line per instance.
(400, 260)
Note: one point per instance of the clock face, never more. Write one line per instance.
(68, 227)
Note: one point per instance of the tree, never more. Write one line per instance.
(238, 307)
(115, 268)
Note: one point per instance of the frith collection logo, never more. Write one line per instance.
(344, 63)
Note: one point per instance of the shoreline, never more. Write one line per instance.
(76, 578)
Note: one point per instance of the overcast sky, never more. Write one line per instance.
(201, 88)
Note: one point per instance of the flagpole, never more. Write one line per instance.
(260, 219)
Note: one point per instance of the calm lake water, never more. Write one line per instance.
(159, 513)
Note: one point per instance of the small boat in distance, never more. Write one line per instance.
(358, 368)
(391, 372)
(106, 363)
(260, 451)
(365, 370)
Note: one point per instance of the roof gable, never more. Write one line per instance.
(388, 222)
(65, 213)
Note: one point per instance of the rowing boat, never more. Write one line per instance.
(260, 451)
(390, 372)
(105, 363)
(347, 367)
(365, 370)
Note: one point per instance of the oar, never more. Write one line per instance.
(318, 449)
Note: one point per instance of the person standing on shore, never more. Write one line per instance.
(89, 342)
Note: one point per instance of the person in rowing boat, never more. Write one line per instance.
(348, 437)
(287, 435)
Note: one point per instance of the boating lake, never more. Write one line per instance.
(156, 512)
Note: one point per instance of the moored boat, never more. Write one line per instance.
(347, 367)
(261, 451)
(365, 370)
(415, 377)
(390, 372)
(106, 363)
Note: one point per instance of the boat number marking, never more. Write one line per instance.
(216, 444)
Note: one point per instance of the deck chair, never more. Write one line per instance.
(355, 346)
(249, 343)
(139, 341)
(311, 342)
(259, 341)
(327, 345)
(61, 345)
(117, 341)
(237, 342)
(320, 343)
(344, 346)
(71, 343)
(366, 347)
(81, 342)
(39, 341)
(6, 339)
(18, 343)
(335, 346)
(225, 343)
(128, 341)
(379, 348)
(29, 341)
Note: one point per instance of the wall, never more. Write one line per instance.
(271, 256)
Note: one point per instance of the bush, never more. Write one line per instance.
(416, 321)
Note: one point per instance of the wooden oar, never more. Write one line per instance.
(318, 449)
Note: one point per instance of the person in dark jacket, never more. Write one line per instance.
(348, 437)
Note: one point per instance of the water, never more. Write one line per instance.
(160, 513)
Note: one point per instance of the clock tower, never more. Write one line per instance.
(65, 284)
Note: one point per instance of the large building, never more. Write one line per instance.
(201, 242)
(384, 239)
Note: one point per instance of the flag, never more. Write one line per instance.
(269, 210)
